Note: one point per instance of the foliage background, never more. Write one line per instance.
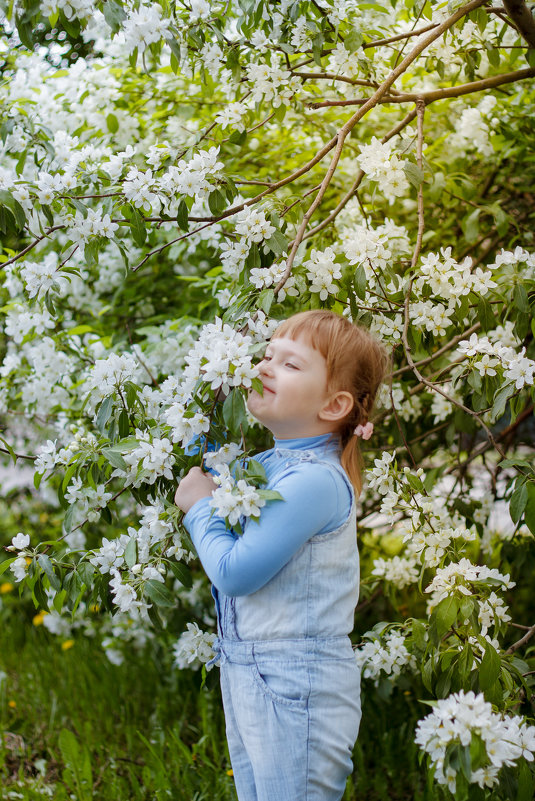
(123, 233)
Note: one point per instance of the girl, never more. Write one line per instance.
(286, 590)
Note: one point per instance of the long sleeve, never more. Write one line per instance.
(316, 500)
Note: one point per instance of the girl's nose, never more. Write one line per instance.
(264, 368)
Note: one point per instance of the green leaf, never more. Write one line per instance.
(234, 412)
(9, 449)
(529, 511)
(130, 552)
(114, 15)
(182, 573)
(114, 458)
(217, 202)
(500, 400)
(7, 200)
(277, 243)
(414, 174)
(138, 227)
(265, 300)
(317, 47)
(353, 40)
(182, 216)
(520, 297)
(470, 226)
(104, 414)
(360, 281)
(518, 502)
(78, 765)
(6, 563)
(524, 775)
(255, 471)
(270, 495)
(415, 482)
(465, 761)
(112, 121)
(67, 520)
(159, 593)
(485, 314)
(46, 566)
(445, 614)
(493, 55)
(489, 670)
(238, 137)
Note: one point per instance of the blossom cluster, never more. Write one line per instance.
(488, 357)
(221, 357)
(463, 717)
(153, 458)
(382, 165)
(387, 656)
(322, 272)
(193, 648)
(233, 499)
(458, 576)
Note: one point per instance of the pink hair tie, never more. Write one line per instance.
(364, 431)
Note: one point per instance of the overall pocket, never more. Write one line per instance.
(285, 683)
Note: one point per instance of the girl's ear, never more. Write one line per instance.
(337, 407)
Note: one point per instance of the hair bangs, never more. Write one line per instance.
(311, 327)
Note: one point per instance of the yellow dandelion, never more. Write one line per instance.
(28, 560)
(66, 645)
(37, 619)
(6, 587)
(12, 704)
(230, 772)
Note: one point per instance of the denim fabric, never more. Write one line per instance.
(289, 679)
(292, 710)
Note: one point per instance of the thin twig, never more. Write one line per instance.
(519, 643)
(420, 111)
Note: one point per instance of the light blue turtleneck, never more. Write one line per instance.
(317, 499)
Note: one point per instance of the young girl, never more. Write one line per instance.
(286, 590)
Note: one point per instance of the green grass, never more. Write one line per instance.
(79, 727)
(74, 723)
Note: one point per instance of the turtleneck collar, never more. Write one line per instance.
(322, 442)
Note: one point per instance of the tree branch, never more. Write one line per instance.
(420, 110)
(438, 94)
(360, 175)
(519, 643)
(523, 19)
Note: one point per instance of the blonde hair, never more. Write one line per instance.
(356, 363)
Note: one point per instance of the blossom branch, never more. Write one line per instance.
(407, 348)
(437, 94)
(398, 37)
(368, 105)
(358, 180)
(444, 349)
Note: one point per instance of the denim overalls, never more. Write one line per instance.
(289, 679)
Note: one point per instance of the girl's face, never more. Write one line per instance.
(295, 397)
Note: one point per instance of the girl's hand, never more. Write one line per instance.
(194, 486)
